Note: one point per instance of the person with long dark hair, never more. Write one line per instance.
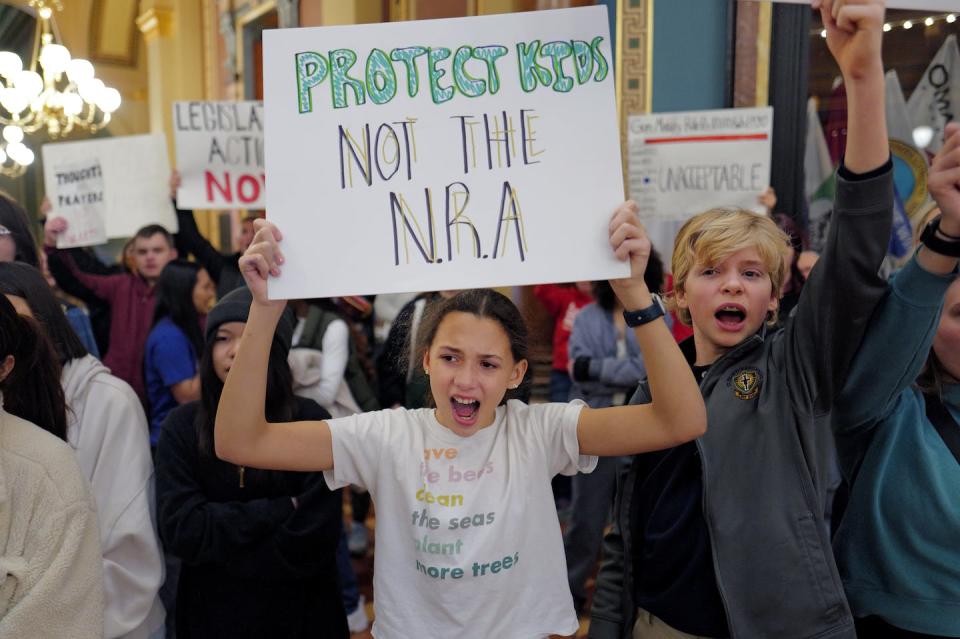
(108, 431)
(16, 241)
(32, 391)
(49, 548)
(184, 294)
(18, 245)
(257, 547)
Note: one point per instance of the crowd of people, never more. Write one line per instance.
(771, 447)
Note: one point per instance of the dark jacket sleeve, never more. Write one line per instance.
(610, 599)
(190, 240)
(87, 262)
(606, 613)
(305, 543)
(192, 528)
(842, 292)
(66, 267)
(391, 365)
(893, 352)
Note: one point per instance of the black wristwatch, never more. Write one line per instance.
(930, 239)
(645, 315)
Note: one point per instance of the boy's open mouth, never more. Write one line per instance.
(731, 316)
(465, 410)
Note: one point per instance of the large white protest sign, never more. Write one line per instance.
(219, 154)
(79, 200)
(442, 154)
(919, 5)
(684, 163)
(135, 176)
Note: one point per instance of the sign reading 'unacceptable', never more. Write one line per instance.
(682, 164)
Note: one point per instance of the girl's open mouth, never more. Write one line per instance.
(465, 410)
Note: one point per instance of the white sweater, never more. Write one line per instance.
(107, 427)
(51, 582)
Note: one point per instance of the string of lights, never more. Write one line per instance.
(929, 21)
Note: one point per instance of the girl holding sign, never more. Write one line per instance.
(470, 540)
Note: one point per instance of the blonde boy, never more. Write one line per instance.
(724, 537)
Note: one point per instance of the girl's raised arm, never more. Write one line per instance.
(677, 413)
(242, 434)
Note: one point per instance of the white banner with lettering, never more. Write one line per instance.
(108, 187)
(79, 200)
(442, 154)
(219, 154)
(684, 163)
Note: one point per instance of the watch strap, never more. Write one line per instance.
(936, 243)
(645, 315)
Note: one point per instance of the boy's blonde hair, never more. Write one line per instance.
(715, 235)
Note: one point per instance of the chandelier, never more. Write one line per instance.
(56, 93)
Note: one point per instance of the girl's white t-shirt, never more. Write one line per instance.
(468, 543)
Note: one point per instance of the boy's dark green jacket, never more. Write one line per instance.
(769, 444)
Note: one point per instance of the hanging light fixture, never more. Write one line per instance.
(55, 93)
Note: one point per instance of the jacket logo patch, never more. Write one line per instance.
(746, 383)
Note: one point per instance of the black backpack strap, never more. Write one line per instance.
(943, 421)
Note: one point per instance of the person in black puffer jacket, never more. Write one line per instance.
(257, 547)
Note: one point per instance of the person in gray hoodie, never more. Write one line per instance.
(107, 428)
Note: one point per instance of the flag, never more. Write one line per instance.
(821, 208)
(936, 100)
(909, 167)
(819, 180)
(835, 127)
(816, 156)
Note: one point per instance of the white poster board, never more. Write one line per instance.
(135, 177)
(219, 154)
(390, 170)
(918, 5)
(79, 199)
(684, 163)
